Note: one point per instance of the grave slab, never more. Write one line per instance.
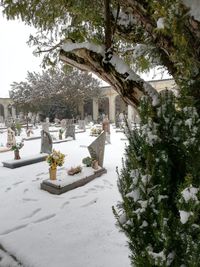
(31, 138)
(79, 131)
(62, 140)
(5, 149)
(12, 164)
(54, 131)
(96, 148)
(119, 131)
(70, 182)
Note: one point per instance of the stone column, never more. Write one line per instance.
(13, 112)
(133, 114)
(95, 108)
(5, 112)
(112, 108)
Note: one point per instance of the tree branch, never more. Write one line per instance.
(90, 57)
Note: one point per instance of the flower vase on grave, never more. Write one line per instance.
(60, 136)
(16, 153)
(52, 173)
(95, 164)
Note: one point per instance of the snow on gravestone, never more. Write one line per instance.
(45, 126)
(96, 148)
(63, 123)
(81, 124)
(70, 131)
(46, 142)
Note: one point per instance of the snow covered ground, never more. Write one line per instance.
(75, 229)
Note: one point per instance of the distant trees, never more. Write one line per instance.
(55, 92)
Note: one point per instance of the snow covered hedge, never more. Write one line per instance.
(159, 184)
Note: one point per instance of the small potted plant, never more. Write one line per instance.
(95, 164)
(74, 170)
(16, 149)
(61, 131)
(56, 158)
(87, 161)
(18, 128)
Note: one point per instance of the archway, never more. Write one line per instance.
(2, 114)
(120, 106)
(9, 110)
(2, 110)
(88, 108)
(103, 107)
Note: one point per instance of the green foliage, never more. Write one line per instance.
(80, 21)
(55, 92)
(87, 161)
(159, 184)
(18, 127)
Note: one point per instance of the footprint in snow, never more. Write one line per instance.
(39, 174)
(37, 179)
(29, 199)
(45, 218)
(25, 190)
(107, 182)
(99, 186)
(32, 213)
(90, 189)
(90, 203)
(76, 197)
(8, 189)
(18, 183)
(13, 229)
(64, 204)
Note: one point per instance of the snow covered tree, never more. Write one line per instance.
(140, 33)
(159, 184)
(113, 38)
(55, 92)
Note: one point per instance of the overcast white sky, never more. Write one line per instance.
(16, 57)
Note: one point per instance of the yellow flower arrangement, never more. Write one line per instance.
(56, 158)
(96, 131)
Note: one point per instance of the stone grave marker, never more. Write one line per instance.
(10, 138)
(45, 126)
(46, 142)
(57, 121)
(70, 131)
(63, 123)
(81, 124)
(96, 148)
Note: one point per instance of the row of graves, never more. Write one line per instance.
(90, 168)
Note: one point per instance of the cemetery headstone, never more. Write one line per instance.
(70, 131)
(45, 126)
(81, 124)
(57, 121)
(10, 138)
(63, 123)
(106, 128)
(46, 142)
(96, 148)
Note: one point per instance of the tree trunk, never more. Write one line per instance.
(115, 72)
(108, 29)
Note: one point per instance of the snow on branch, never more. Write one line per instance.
(91, 57)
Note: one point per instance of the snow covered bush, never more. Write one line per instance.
(159, 184)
